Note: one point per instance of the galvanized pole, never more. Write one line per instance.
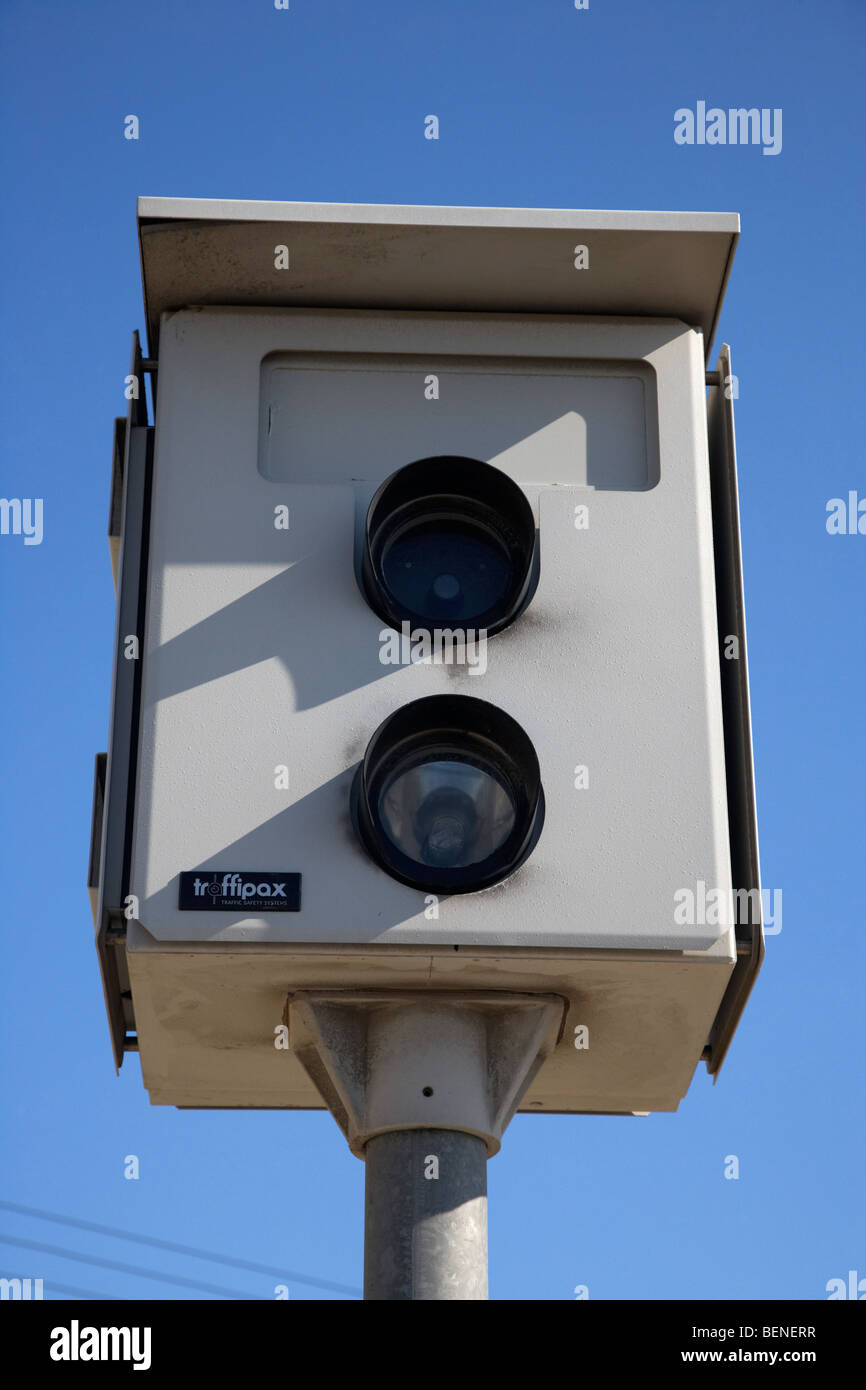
(423, 1083)
(425, 1228)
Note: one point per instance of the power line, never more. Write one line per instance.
(127, 1269)
(50, 1288)
(198, 1254)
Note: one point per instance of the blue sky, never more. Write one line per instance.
(540, 106)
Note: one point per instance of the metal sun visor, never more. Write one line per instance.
(742, 813)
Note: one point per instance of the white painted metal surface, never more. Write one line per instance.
(376, 256)
(261, 653)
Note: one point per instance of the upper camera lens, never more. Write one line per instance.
(446, 569)
(449, 540)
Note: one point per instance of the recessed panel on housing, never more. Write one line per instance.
(357, 417)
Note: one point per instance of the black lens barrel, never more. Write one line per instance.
(449, 540)
(446, 728)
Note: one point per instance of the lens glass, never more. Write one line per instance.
(446, 814)
(444, 569)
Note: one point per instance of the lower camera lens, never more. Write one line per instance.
(448, 797)
(446, 813)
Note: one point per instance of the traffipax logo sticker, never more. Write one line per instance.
(248, 890)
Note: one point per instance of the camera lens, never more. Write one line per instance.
(445, 812)
(448, 797)
(449, 539)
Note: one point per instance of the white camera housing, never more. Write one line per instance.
(282, 404)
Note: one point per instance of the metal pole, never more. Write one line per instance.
(423, 1083)
(425, 1228)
